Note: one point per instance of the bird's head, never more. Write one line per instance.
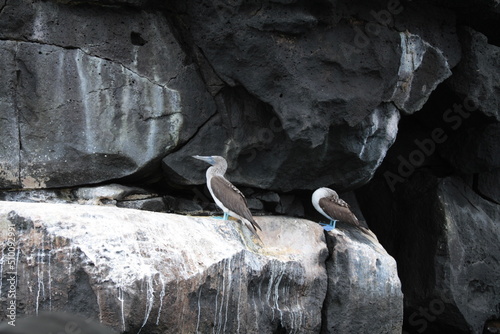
(325, 192)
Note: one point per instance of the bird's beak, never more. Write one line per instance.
(204, 158)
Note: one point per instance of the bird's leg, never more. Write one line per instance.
(330, 226)
(226, 216)
(332, 223)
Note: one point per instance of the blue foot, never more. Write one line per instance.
(330, 226)
(226, 217)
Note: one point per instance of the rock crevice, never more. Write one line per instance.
(163, 273)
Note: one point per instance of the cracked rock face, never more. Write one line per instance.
(468, 268)
(99, 92)
(450, 271)
(163, 273)
(332, 81)
(474, 77)
(89, 109)
(360, 272)
(84, 98)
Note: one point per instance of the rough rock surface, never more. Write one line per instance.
(450, 271)
(467, 264)
(165, 273)
(488, 186)
(87, 99)
(97, 100)
(475, 77)
(332, 85)
(264, 157)
(54, 322)
(360, 275)
(295, 94)
(134, 270)
(480, 146)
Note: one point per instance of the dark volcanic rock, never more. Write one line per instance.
(155, 204)
(467, 265)
(475, 149)
(434, 25)
(91, 102)
(361, 280)
(477, 77)
(321, 79)
(444, 238)
(320, 60)
(9, 132)
(54, 322)
(292, 83)
(139, 271)
(162, 273)
(488, 185)
(259, 154)
(290, 205)
(182, 205)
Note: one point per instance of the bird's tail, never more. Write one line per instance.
(363, 227)
(255, 225)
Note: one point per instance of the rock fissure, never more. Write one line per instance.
(2, 7)
(18, 119)
(90, 54)
(126, 68)
(480, 193)
(200, 127)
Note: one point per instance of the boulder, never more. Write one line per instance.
(477, 78)
(422, 68)
(364, 292)
(271, 88)
(444, 237)
(467, 265)
(164, 273)
(339, 73)
(261, 155)
(316, 87)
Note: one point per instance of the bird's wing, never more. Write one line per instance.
(232, 198)
(338, 210)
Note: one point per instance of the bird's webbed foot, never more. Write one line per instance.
(226, 217)
(330, 226)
